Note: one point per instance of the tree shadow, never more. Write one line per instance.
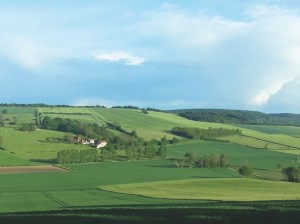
(46, 161)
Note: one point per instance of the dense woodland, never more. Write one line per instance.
(239, 117)
(204, 134)
(207, 161)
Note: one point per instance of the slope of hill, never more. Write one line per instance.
(239, 117)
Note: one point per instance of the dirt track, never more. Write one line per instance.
(29, 169)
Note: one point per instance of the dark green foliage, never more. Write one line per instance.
(144, 111)
(127, 107)
(291, 174)
(175, 140)
(4, 111)
(75, 127)
(207, 161)
(246, 170)
(140, 149)
(108, 153)
(77, 156)
(204, 134)
(2, 124)
(210, 212)
(28, 127)
(239, 117)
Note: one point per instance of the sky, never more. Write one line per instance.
(229, 54)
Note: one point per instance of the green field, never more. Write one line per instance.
(148, 191)
(32, 146)
(237, 155)
(228, 189)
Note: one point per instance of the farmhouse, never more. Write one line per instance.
(89, 142)
(101, 144)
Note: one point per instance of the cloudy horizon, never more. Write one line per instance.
(162, 54)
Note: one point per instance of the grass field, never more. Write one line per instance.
(32, 146)
(52, 191)
(228, 189)
(237, 155)
(8, 159)
(272, 129)
(189, 195)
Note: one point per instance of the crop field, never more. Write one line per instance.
(252, 142)
(237, 155)
(233, 189)
(147, 191)
(268, 129)
(18, 110)
(8, 159)
(68, 190)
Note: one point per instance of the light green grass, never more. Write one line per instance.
(18, 110)
(32, 145)
(294, 152)
(228, 189)
(275, 138)
(8, 159)
(272, 129)
(248, 141)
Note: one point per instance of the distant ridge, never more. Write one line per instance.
(225, 116)
(239, 117)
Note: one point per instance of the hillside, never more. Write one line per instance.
(83, 190)
(239, 117)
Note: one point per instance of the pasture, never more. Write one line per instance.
(237, 155)
(224, 189)
(148, 191)
(32, 146)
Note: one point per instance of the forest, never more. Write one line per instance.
(239, 117)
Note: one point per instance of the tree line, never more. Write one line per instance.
(77, 156)
(207, 161)
(73, 126)
(204, 134)
(238, 117)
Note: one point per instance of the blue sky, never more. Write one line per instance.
(173, 54)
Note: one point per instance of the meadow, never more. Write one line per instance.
(148, 191)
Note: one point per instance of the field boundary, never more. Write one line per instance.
(270, 141)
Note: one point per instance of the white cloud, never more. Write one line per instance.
(26, 53)
(128, 59)
(265, 95)
(182, 29)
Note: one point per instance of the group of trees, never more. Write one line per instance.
(207, 161)
(75, 127)
(1, 120)
(246, 170)
(204, 134)
(147, 150)
(77, 156)
(239, 117)
(291, 174)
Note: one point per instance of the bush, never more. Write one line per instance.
(246, 170)
(292, 174)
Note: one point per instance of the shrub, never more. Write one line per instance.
(246, 170)
(292, 174)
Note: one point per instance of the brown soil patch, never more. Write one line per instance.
(30, 169)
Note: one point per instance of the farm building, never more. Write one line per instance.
(101, 144)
